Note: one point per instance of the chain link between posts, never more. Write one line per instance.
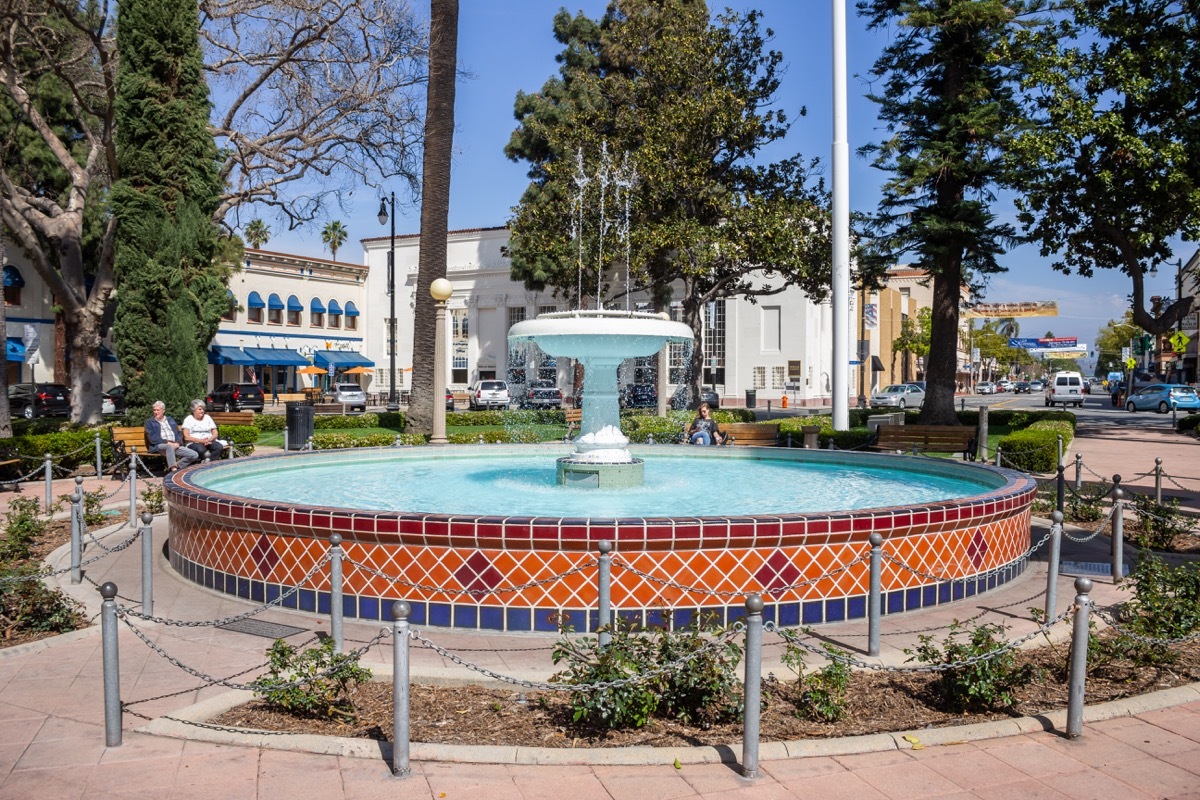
(1137, 637)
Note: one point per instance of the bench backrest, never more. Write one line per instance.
(130, 437)
(573, 415)
(232, 417)
(936, 438)
(756, 434)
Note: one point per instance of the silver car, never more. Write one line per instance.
(349, 394)
(898, 395)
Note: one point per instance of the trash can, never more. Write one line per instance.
(299, 423)
(751, 398)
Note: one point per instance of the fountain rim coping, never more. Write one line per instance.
(1014, 485)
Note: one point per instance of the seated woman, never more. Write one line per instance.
(200, 432)
(163, 436)
(704, 429)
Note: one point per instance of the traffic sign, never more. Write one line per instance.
(1125, 354)
(1180, 342)
(1130, 362)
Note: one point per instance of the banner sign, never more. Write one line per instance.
(1060, 341)
(871, 316)
(1027, 344)
(32, 342)
(1030, 308)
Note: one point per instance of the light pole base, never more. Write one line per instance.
(393, 407)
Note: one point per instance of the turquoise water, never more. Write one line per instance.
(524, 485)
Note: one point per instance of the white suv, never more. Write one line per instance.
(489, 394)
(1065, 387)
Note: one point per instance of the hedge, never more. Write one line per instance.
(339, 441)
(70, 448)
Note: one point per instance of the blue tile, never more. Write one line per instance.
(466, 616)
(518, 619)
(657, 619)
(418, 612)
(440, 615)
(856, 607)
(943, 592)
(894, 602)
(929, 596)
(208, 578)
(368, 607)
(959, 590)
(243, 588)
(912, 599)
(682, 617)
(789, 614)
(734, 613)
(545, 619)
(835, 609)
(290, 600)
(491, 618)
(991, 582)
(258, 591)
(631, 618)
(350, 605)
(323, 602)
(308, 599)
(769, 611)
(971, 587)
(576, 619)
(273, 592)
(813, 612)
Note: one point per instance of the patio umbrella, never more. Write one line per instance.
(311, 370)
(358, 371)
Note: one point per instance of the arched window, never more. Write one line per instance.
(274, 310)
(14, 282)
(294, 309)
(254, 308)
(316, 313)
(335, 314)
(351, 316)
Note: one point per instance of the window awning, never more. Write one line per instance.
(275, 357)
(255, 301)
(341, 358)
(334, 308)
(16, 350)
(13, 277)
(274, 303)
(876, 364)
(225, 354)
(351, 310)
(316, 307)
(294, 303)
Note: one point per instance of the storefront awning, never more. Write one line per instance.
(351, 309)
(274, 303)
(316, 306)
(876, 364)
(255, 301)
(275, 357)
(294, 303)
(225, 354)
(341, 358)
(16, 350)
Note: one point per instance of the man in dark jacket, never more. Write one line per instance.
(163, 436)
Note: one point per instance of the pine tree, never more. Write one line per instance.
(170, 290)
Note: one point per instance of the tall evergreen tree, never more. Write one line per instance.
(171, 291)
(948, 104)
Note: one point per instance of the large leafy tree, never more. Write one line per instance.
(172, 285)
(948, 105)
(307, 88)
(1112, 168)
(685, 103)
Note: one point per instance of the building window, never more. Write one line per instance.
(335, 321)
(516, 355)
(275, 316)
(12, 295)
(316, 319)
(254, 316)
(772, 333)
(351, 323)
(760, 378)
(459, 343)
(714, 343)
(547, 310)
(230, 314)
(778, 377)
(678, 359)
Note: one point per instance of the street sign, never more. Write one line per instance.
(1179, 342)
(1125, 354)
(1130, 362)
(31, 342)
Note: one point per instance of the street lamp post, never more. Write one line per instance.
(384, 217)
(440, 290)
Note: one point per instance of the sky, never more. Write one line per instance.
(507, 46)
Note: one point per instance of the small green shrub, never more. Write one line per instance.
(23, 525)
(497, 436)
(243, 436)
(1188, 423)
(1158, 524)
(982, 685)
(338, 441)
(822, 695)
(270, 422)
(703, 690)
(325, 679)
(93, 511)
(28, 606)
(70, 448)
(324, 422)
(1165, 605)
(153, 500)
(1030, 450)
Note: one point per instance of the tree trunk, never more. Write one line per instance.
(83, 329)
(942, 361)
(435, 204)
(695, 320)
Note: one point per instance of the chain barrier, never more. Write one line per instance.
(667, 582)
(39, 471)
(1163, 518)
(89, 579)
(37, 576)
(843, 658)
(214, 623)
(1105, 524)
(249, 687)
(470, 592)
(116, 548)
(888, 557)
(120, 487)
(934, 628)
(1137, 637)
(620, 683)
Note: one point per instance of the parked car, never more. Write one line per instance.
(31, 400)
(898, 395)
(1004, 385)
(350, 395)
(1161, 397)
(1021, 387)
(640, 395)
(449, 400)
(1036, 386)
(985, 387)
(116, 395)
(489, 394)
(235, 397)
(543, 394)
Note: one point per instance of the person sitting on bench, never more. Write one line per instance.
(200, 432)
(704, 429)
(163, 436)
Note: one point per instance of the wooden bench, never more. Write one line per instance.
(751, 434)
(927, 439)
(123, 439)
(331, 408)
(231, 418)
(14, 484)
(574, 419)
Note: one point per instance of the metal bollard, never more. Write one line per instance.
(335, 591)
(1078, 472)
(400, 698)
(49, 481)
(147, 563)
(309, 444)
(752, 686)
(997, 455)
(76, 536)
(285, 447)
(962, 404)
(789, 440)
(1054, 557)
(99, 457)
(604, 590)
(1060, 450)
(1118, 531)
(133, 463)
(1079, 645)
(1060, 487)
(112, 665)
(1158, 473)
(875, 598)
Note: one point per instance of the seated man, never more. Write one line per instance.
(163, 436)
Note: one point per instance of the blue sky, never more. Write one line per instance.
(507, 46)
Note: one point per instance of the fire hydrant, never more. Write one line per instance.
(783, 402)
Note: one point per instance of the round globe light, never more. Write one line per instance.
(441, 289)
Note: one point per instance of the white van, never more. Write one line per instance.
(1065, 387)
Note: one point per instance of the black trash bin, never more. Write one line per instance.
(751, 398)
(299, 423)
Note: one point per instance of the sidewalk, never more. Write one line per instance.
(52, 724)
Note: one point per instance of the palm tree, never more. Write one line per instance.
(333, 235)
(435, 201)
(1008, 327)
(257, 233)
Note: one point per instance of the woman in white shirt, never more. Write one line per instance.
(200, 432)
